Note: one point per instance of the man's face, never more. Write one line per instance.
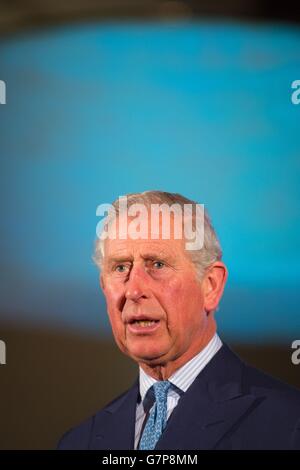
(154, 300)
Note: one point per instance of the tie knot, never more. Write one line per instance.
(161, 390)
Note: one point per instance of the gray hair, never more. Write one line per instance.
(202, 258)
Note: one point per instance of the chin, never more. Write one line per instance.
(145, 350)
(148, 356)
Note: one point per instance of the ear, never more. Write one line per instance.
(101, 279)
(213, 285)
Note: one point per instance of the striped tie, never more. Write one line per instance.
(158, 417)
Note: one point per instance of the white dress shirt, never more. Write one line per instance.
(182, 379)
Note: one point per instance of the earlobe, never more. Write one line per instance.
(215, 283)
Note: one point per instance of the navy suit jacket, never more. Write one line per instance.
(230, 405)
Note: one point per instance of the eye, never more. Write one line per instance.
(158, 264)
(121, 268)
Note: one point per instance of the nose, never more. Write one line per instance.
(136, 284)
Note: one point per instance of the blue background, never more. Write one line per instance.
(97, 111)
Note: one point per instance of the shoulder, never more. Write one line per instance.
(253, 380)
(276, 418)
(273, 419)
(270, 392)
(255, 377)
(260, 383)
(79, 436)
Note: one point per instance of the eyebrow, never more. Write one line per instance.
(119, 259)
(158, 256)
(146, 256)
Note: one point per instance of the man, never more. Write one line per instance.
(193, 392)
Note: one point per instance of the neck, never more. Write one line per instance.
(164, 371)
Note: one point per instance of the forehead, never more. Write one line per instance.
(148, 238)
(171, 249)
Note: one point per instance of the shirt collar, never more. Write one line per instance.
(185, 376)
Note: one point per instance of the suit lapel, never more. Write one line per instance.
(210, 408)
(206, 413)
(114, 428)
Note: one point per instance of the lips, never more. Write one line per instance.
(140, 318)
(142, 325)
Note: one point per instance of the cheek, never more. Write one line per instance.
(172, 288)
(181, 300)
(181, 290)
(113, 295)
(168, 294)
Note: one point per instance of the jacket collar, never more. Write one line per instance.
(214, 403)
(114, 427)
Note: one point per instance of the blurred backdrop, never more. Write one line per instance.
(105, 98)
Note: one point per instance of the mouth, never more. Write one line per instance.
(143, 326)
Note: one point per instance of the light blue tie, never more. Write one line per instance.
(158, 417)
